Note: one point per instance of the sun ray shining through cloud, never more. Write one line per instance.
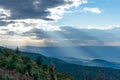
(39, 23)
(59, 41)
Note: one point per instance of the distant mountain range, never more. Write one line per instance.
(94, 62)
(80, 71)
(109, 53)
(78, 61)
(64, 53)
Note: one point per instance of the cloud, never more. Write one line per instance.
(57, 12)
(5, 23)
(31, 21)
(64, 36)
(108, 27)
(19, 27)
(76, 37)
(4, 13)
(92, 10)
(12, 41)
(112, 43)
(39, 33)
(27, 9)
(21, 16)
(36, 9)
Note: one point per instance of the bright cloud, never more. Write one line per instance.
(21, 26)
(19, 21)
(4, 13)
(93, 10)
(109, 27)
(58, 12)
(20, 41)
(34, 24)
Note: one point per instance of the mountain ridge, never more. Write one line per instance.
(93, 62)
(78, 71)
(14, 66)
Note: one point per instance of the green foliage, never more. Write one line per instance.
(64, 76)
(8, 77)
(77, 71)
(2, 62)
(17, 66)
(17, 50)
(53, 74)
(39, 60)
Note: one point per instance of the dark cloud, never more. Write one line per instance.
(39, 33)
(4, 29)
(73, 35)
(11, 33)
(70, 35)
(30, 9)
(4, 23)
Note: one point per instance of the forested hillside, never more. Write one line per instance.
(13, 66)
(77, 71)
(16, 65)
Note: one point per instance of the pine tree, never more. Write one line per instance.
(17, 50)
(39, 60)
(52, 72)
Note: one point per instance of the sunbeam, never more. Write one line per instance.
(65, 47)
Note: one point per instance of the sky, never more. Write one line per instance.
(59, 23)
